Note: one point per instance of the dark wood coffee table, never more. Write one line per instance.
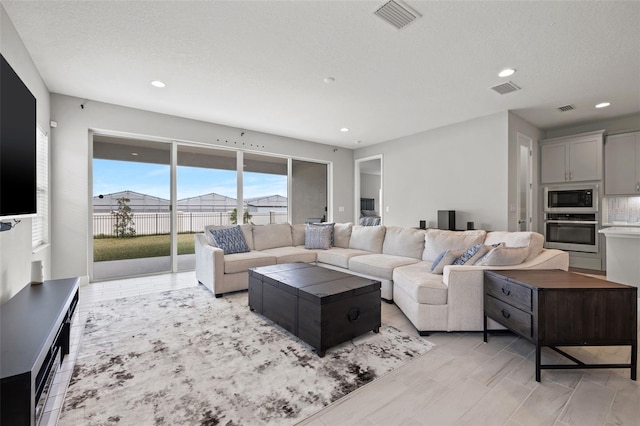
(321, 306)
(558, 308)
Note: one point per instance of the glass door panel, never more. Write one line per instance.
(264, 190)
(206, 195)
(308, 192)
(131, 201)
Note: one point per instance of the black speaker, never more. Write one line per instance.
(423, 224)
(447, 219)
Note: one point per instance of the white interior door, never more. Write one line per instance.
(525, 182)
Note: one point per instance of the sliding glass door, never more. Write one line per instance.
(151, 197)
(206, 188)
(131, 201)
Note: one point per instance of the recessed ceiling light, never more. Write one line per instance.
(506, 72)
(157, 83)
(134, 154)
(603, 104)
(329, 80)
(344, 130)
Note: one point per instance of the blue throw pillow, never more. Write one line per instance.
(230, 240)
(468, 254)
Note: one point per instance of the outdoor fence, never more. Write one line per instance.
(188, 222)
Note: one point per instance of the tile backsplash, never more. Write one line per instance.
(621, 209)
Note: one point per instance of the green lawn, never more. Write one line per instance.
(137, 247)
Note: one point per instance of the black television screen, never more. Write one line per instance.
(17, 145)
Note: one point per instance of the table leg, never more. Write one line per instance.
(484, 327)
(538, 353)
(634, 360)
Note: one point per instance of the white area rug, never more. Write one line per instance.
(184, 357)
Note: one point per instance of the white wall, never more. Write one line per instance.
(15, 245)
(462, 167)
(71, 160)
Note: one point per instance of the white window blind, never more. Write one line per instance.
(40, 223)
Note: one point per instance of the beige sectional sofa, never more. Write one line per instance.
(400, 258)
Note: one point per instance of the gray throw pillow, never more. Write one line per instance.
(230, 240)
(318, 237)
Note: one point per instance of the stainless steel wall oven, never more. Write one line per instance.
(572, 231)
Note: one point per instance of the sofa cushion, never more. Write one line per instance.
(271, 236)
(338, 256)
(246, 231)
(533, 240)
(420, 285)
(342, 234)
(291, 254)
(406, 242)
(379, 265)
(241, 262)
(297, 234)
(317, 237)
(230, 240)
(369, 238)
(437, 240)
(504, 256)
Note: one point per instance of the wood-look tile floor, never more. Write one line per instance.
(461, 381)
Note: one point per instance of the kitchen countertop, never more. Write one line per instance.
(623, 224)
(621, 231)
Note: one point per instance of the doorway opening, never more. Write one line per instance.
(368, 191)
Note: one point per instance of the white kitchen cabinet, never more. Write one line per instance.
(622, 164)
(575, 158)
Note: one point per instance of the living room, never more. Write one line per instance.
(430, 162)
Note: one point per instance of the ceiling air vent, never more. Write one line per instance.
(396, 14)
(565, 108)
(505, 88)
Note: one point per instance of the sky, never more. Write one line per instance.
(111, 176)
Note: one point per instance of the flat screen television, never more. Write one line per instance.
(18, 185)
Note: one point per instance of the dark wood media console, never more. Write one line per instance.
(35, 326)
(557, 308)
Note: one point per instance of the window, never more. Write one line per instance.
(40, 223)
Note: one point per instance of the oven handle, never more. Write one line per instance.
(576, 222)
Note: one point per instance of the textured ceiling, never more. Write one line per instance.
(260, 65)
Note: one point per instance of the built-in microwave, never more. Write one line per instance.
(571, 199)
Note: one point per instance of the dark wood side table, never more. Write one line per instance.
(558, 308)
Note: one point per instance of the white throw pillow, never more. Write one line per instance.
(504, 256)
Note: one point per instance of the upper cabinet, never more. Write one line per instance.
(572, 158)
(622, 164)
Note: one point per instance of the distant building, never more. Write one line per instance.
(207, 203)
(266, 204)
(139, 203)
(143, 203)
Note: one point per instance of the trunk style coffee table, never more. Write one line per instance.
(321, 306)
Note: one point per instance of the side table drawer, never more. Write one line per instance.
(509, 316)
(511, 293)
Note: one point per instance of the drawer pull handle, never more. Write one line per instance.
(505, 313)
(506, 291)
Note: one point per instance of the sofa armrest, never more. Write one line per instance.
(209, 263)
(465, 295)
